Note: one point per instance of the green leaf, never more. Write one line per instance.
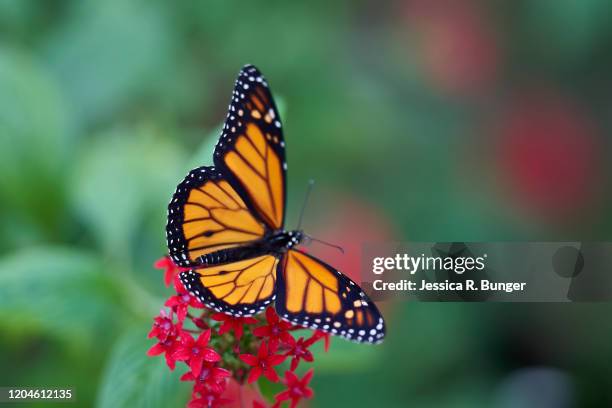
(123, 181)
(132, 379)
(34, 143)
(110, 52)
(59, 291)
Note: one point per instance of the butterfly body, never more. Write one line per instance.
(276, 244)
(226, 223)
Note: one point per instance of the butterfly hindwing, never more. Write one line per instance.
(315, 295)
(242, 288)
(206, 215)
(251, 149)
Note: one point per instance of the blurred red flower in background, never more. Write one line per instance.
(548, 152)
(459, 47)
(347, 222)
(244, 396)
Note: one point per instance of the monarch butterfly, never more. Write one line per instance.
(226, 223)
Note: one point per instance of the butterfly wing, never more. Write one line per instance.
(315, 295)
(242, 288)
(206, 215)
(251, 150)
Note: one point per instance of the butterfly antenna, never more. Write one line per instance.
(338, 247)
(308, 190)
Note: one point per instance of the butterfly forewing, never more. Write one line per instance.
(251, 150)
(315, 295)
(206, 215)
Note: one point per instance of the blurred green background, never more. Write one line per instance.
(419, 120)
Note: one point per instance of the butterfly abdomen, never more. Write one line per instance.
(274, 244)
(232, 255)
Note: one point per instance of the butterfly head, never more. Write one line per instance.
(282, 241)
(295, 238)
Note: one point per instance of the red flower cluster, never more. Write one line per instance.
(220, 348)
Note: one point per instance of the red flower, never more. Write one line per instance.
(233, 323)
(211, 378)
(208, 401)
(263, 363)
(318, 335)
(198, 321)
(549, 152)
(296, 388)
(181, 301)
(169, 346)
(299, 351)
(276, 330)
(171, 270)
(196, 352)
(163, 326)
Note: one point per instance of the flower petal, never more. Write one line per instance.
(218, 372)
(156, 350)
(263, 331)
(188, 376)
(182, 354)
(287, 338)
(172, 301)
(290, 378)
(271, 315)
(181, 312)
(204, 338)
(254, 374)
(282, 396)
(276, 359)
(220, 317)
(307, 377)
(195, 363)
(210, 355)
(238, 331)
(294, 402)
(225, 327)
(271, 374)
(249, 359)
(294, 363)
(170, 361)
(186, 339)
(262, 353)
